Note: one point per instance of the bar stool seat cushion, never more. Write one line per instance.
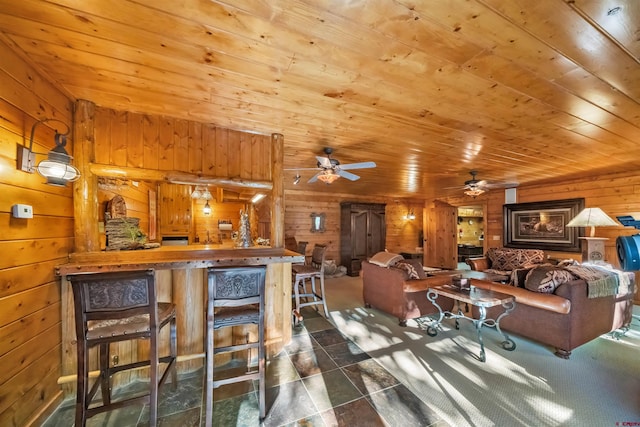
(129, 325)
(232, 316)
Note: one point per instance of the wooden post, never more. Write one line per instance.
(277, 192)
(85, 189)
(278, 289)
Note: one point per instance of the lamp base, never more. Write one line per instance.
(593, 249)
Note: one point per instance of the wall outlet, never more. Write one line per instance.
(22, 211)
(496, 237)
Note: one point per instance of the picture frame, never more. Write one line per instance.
(542, 225)
(317, 222)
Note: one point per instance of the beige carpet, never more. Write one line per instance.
(598, 386)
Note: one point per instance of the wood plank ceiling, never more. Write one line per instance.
(523, 91)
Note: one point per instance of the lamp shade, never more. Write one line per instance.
(592, 217)
(57, 168)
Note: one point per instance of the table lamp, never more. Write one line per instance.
(592, 247)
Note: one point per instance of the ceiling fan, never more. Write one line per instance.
(330, 169)
(474, 187)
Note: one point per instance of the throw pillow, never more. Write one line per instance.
(418, 266)
(385, 259)
(411, 271)
(504, 259)
(546, 278)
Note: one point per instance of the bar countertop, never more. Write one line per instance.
(176, 257)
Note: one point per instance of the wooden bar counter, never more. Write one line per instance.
(181, 277)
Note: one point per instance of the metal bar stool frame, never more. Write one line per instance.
(235, 297)
(311, 271)
(113, 307)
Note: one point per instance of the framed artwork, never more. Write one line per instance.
(543, 225)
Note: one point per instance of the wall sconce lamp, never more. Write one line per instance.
(57, 168)
(592, 247)
(410, 215)
(296, 180)
(207, 208)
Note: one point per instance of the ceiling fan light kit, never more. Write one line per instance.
(474, 192)
(331, 169)
(328, 176)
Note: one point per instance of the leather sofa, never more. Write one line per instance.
(564, 319)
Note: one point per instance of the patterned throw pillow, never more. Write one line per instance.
(408, 267)
(546, 278)
(504, 259)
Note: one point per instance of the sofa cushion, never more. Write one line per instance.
(385, 259)
(546, 278)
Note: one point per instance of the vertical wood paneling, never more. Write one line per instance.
(234, 154)
(118, 138)
(209, 149)
(247, 157)
(135, 140)
(151, 143)
(222, 152)
(102, 132)
(181, 145)
(165, 144)
(195, 147)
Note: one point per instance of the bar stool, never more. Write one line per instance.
(113, 307)
(302, 272)
(235, 298)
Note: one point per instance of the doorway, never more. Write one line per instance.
(470, 233)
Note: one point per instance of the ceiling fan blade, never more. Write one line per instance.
(347, 175)
(314, 178)
(362, 165)
(300, 169)
(324, 162)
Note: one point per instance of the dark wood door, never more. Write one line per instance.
(377, 233)
(359, 234)
(362, 233)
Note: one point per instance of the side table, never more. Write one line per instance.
(477, 297)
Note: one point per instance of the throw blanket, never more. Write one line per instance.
(601, 282)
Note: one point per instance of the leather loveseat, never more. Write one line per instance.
(389, 289)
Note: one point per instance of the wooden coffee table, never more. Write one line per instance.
(481, 298)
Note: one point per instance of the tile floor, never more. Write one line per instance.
(320, 379)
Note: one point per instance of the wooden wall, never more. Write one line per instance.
(30, 314)
(616, 194)
(402, 234)
(209, 223)
(162, 143)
